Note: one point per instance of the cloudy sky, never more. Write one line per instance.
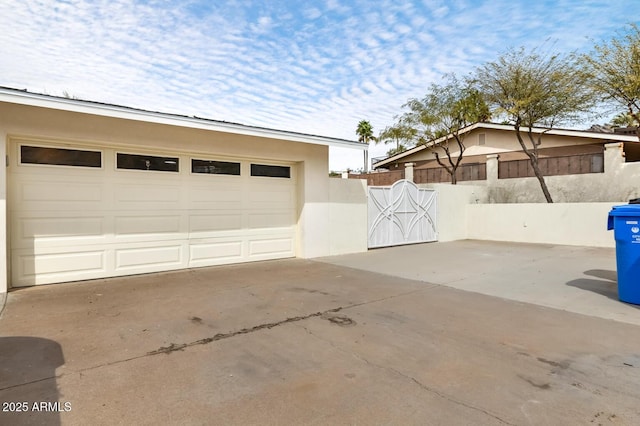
(312, 66)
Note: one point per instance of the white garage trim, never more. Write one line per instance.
(74, 222)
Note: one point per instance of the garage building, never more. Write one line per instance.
(93, 190)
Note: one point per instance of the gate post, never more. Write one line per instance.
(408, 171)
(613, 158)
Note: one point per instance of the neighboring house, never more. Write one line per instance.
(94, 190)
(482, 139)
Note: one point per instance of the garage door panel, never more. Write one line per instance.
(217, 193)
(207, 223)
(50, 228)
(271, 248)
(146, 197)
(62, 262)
(41, 192)
(266, 195)
(53, 228)
(140, 225)
(56, 267)
(215, 252)
(150, 192)
(261, 220)
(149, 258)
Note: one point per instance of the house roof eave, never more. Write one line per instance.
(23, 97)
(611, 137)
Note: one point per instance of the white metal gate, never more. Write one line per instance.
(401, 214)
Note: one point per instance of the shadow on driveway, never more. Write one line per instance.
(604, 274)
(607, 285)
(28, 388)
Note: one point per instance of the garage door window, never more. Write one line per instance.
(270, 171)
(147, 162)
(60, 156)
(215, 167)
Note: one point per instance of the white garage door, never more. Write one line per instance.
(78, 213)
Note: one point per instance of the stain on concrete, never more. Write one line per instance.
(340, 320)
(586, 388)
(562, 365)
(391, 317)
(543, 386)
(601, 416)
(308, 290)
(172, 348)
(196, 320)
(631, 361)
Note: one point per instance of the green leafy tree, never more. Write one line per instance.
(530, 88)
(365, 135)
(437, 120)
(613, 71)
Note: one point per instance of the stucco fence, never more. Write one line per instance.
(618, 183)
(464, 212)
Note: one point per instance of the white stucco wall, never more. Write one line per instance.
(582, 224)
(464, 212)
(347, 216)
(452, 208)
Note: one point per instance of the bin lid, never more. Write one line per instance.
(627, 210)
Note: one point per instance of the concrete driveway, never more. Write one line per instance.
(576, 279)
(313, 342)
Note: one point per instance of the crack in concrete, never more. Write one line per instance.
(31, 382)
(411, 378)
(452, 399)
(220, 336)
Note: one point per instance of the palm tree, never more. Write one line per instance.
(398, 134)
(365, 135)
(624, 119)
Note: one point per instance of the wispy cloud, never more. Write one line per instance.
(315, 67)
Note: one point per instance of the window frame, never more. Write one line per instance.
(270, 165)
(138, 154)
(27, 143)
(238, 162)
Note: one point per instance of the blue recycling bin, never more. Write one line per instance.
(625, 222)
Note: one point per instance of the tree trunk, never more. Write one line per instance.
(533, 159)
(453, 165)
(543, 184)
(366, 161)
